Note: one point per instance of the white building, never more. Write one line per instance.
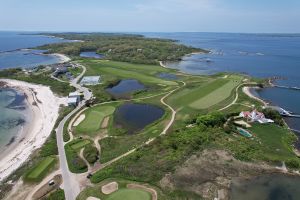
(255, 116)
(90, 80)
(74, 98)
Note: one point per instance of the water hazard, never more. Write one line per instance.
(135, 117)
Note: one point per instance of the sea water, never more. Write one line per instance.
(258, 55)
(14, 50)
(13, 111)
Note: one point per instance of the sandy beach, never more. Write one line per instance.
(246, 90)
(62, 58)
(44, 107)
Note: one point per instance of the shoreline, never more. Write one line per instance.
(247, 91)
(44, 107)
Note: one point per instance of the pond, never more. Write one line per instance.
(125, 88)
(167, 76)
(91, 54)
(267, 187)
(135, 117)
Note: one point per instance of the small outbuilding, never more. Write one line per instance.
(74, 98)
(90, 80)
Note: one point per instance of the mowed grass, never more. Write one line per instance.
(130, 194)
(216, 95)
(121, 70)
(275, 140)
(38, 172)
(204, 94)
(93, 119)
(80, 144)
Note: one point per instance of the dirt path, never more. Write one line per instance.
(45, 181)
(83, 158)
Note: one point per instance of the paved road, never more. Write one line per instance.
(70, 184)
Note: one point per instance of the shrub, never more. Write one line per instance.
(91, 154)
(293, 163)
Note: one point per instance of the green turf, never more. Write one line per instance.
(143, 73)
(215, 96)
(274, 140)
(93, 119)
(40, 169)
(80, 144)
(130, 194)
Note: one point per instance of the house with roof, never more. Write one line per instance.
(74, 98)
(255, 116)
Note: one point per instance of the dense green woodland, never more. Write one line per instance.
(122, 47)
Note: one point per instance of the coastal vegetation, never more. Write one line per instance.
(122, 47)
(43, 78)
(38, 172)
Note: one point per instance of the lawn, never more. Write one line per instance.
(275, 140)
(40, 170)
(143, 73)
(203, 93)
(216, 95)
(130, 194)
(93, 119)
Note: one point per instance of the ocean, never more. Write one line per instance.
(257, 55)
(14, 50)
(14, 53)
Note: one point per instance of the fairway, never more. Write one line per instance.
(37, 172)
(143, 73)
(215, 96)
(93, 120)
(80, 144)
(130, 194)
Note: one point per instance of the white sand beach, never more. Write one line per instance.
(247, 91)
(62, 58)
(44, 106)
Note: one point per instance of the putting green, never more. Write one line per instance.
(94, 118)
(215, 96)
(130, 194)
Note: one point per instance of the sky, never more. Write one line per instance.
(249, 16)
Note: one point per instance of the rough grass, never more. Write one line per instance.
(93, 120)
(80, 144)
(38, 172)
(132, 194)
(75, 163)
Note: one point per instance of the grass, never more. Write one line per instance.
(80, 144)
(120, 70)
(132, 194)
(217, 94)
(59, 194)
(38, 172)
(75, 163)
(275, 141)
(93, 119)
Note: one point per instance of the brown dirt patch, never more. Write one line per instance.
(109, 188)
(46, 189)
(209, 174)
(105, 122)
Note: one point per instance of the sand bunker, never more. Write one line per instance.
(92, 198)
(79, 120)
(109, 188)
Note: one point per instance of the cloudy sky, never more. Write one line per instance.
(151, 15)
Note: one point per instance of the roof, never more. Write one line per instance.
(74, 94)
(72, 100)
(90, 80)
